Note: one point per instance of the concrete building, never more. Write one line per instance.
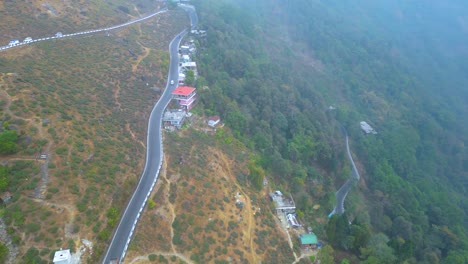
(185, 95)
(62, 257)
(174, 118)
(191, 65)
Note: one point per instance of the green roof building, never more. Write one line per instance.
(308, 240)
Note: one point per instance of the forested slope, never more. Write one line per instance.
(273, 67)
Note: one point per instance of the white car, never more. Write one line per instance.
(172, 82)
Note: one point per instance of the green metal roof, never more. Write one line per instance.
(307, 239)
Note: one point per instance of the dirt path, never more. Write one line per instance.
(117, 95)
(247, 208)
(141, 57)
(127, 126)
(144, 55)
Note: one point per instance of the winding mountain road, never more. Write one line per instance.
(346, 187)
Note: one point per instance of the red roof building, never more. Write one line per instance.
(185, 95)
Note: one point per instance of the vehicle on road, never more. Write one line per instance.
(13, 42)
(172, 82)
(27, 40)
(59, 35)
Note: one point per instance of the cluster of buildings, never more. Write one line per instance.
(184, 95)
(286, 212)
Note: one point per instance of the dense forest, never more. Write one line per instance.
(273, 68)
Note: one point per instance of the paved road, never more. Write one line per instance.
(343, 191)
(154, 155)
(87, 32)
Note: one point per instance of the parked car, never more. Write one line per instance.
(27, 40)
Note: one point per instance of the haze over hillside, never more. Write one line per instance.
(398, 65)
(287, 78)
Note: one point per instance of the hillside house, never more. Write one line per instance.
(191, 65)
(213, 121)
(308, 241)
(185, 95)
(184, 50)
(174, 118)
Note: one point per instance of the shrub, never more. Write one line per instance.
(152, 257)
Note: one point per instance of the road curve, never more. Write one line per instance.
(154, 155)
(343, 191)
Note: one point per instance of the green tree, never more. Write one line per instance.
(378, 249)
(190, 78)
(325, 255)
(3, 178)
(3, 253)
(256, 175)
(8, 142)
(337, 230)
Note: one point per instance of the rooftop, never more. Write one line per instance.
(189, 64)
(282, 202)
(367, 128)
(183, 90)
(61, 255)
(174, 115)
(307, 239)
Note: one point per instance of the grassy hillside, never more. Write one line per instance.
(84, 102)
(194, 216)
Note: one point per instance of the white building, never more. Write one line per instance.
(367, 128)
(62, 257)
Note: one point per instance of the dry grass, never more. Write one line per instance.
(98, 109)
(196, 216)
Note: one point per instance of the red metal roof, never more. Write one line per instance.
(183, 90)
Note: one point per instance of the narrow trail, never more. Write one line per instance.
(117, 95)
(141, 57)
(248, 209)
(147, 51)
(127, 126)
